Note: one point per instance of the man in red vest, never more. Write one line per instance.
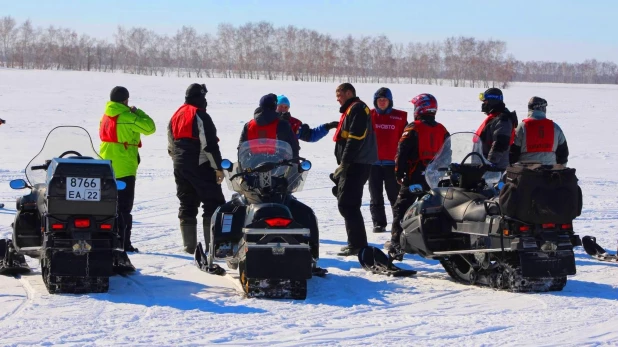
(194, 148)
(266, 124)
(538, 138)
(355, 151)
(497, 130)
(420, 142)
(388, 124)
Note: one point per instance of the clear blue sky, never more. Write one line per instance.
(559, 30)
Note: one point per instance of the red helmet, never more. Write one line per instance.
(424, 105)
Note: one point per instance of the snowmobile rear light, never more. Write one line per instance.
(57, 226)
(524, 228)
(278, 222)
(81, 223)
(105, 226)
(549, 225)
(567, 226)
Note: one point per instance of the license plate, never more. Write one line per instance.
(83, 189)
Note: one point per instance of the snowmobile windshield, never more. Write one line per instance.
(65, 141)
(261, 158)
(460, 148)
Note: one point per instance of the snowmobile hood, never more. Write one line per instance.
(113, 109)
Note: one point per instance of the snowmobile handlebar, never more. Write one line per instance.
(41, 167)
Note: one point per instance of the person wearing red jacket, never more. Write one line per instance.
(388, 124)
(422, 139)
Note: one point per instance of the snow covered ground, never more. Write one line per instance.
(170, 302)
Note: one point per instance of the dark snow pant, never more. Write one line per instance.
(405, 199)
(349, 200)
(382, 176)
(195, 185)
(124, 221)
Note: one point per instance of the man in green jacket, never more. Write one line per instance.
(120, 130)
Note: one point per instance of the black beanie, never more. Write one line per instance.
(119, 94)
(196, 89)
(537, 103)
(493, 91)
(269, 102)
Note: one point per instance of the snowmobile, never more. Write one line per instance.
(468, 221)
(67, 221)
(265, 233)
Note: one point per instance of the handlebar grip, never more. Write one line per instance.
(38, 167)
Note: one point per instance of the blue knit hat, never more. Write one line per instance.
(283, 100)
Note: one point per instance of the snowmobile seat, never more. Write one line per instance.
(462, 205)
(475, 212)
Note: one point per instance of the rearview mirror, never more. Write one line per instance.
(305, 165)
(120, 185)
(416, 188)
(226, 164)
(18, 184)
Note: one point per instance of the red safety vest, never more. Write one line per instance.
(108, 132)
(539, 135)
(430, 140)
(182, 122)
(488, 119)
(343, 115)
(257, 132)
(388, 129)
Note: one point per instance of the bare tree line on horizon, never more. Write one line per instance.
(261, 51)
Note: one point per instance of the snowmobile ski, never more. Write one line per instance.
(202, 262)
(374, 260)
(11, 262)
(597, 252)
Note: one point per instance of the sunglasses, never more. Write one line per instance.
(484, 97)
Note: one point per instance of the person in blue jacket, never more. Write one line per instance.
(303, 131)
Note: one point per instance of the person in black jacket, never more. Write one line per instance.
(497, 132)
(266, 123)
(193, 146)
(421, 140)
(355, 150)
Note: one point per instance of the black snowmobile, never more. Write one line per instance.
(67, 221)
(264, 232)
(516, 236)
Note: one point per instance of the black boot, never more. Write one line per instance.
(348, 252)
(379, 229)
(189, 238)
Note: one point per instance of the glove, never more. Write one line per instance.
(331, 125)
(220, 176)
(341, 170)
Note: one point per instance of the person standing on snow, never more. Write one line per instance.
(119, 130)
(266, 123)
(303, 131)
(388, 124)
(497, 130)
(194, 147)
(355, 151)
(421, 140)
(538, 138)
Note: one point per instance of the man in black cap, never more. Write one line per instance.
(194, 148)
(497, 130)
(120, 132)
(538, 138)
